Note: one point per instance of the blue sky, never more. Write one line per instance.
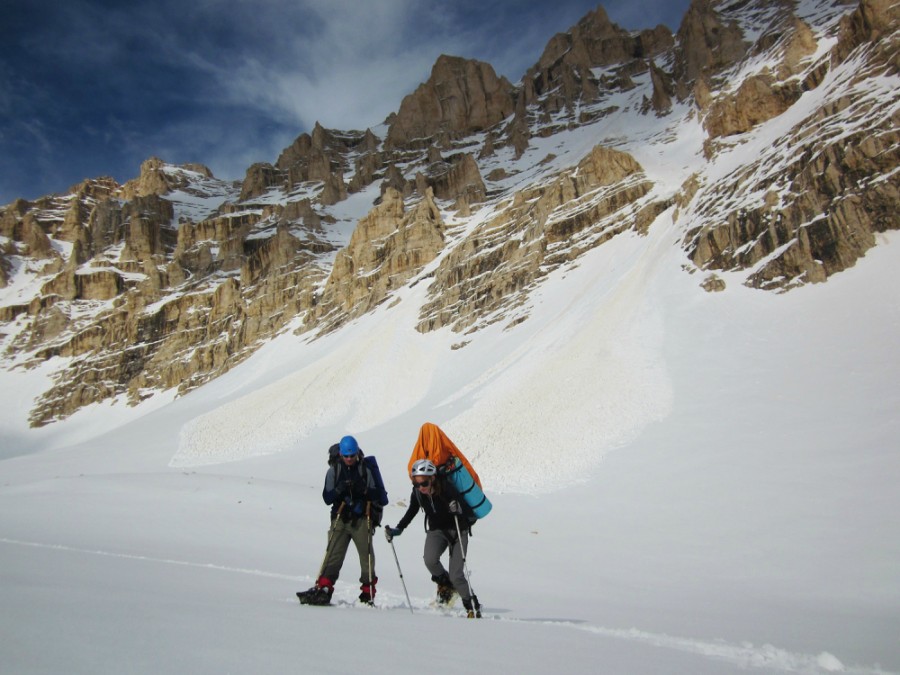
(92, 88)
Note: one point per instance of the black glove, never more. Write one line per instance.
(391, 532)
(455, 508)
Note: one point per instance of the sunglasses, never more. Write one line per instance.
(423, 483)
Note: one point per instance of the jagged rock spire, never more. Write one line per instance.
(462, 96)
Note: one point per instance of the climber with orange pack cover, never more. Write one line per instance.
(448, 491)
(434, 445)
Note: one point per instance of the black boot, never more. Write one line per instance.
(367, 593)
(317, 595)
(473, 607)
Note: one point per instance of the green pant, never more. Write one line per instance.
(339, 535)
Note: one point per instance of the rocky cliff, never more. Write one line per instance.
(808, 205)
(478, 189)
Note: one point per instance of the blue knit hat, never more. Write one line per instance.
(349, 446)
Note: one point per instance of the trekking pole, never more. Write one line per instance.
(330, 540)
(465, 566)
(369, 537)
(399, 571)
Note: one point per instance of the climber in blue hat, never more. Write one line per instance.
(355, 490)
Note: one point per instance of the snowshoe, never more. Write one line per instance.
(366, 599)
(473, 608)
(316, 595)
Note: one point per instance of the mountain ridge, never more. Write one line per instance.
(173, 278)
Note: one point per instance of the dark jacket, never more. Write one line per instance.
(437, 508)
(353, 486)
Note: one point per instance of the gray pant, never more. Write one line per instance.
(340, 535)
(438, 541)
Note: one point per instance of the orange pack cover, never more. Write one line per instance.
(435, 445)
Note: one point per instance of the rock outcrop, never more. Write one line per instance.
(823, 197)
(159, 178)
(387, 248)
(456, 179)
(486, 278)
(708, 43)
(461, 97)
(566, 66)
(769, 92)
(479, 189)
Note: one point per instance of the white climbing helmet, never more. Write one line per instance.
(422, 467)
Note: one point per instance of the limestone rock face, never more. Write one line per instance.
(564, 77)
(873, 21)
(334, 190)
(596, 42)
(708, 42)
(769, 92)
(457, 179)
(386, 249)
(367, 166)
(159, 178)
(37, 243)
(323, 156)
(461, 97)
(302, 211)
(485, 278)
(395, 180)
(477, 192)
(85, 284)
(259, 178)
(819, 213)
(138, 303)
(821, 205)
(148, 229)
(663, 91)
(800, 46)
(758, 99)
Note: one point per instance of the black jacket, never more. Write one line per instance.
(353, 487)
(437, 508)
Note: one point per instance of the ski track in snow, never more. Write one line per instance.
(144, 558)
(744, 655)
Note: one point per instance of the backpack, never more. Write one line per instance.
(369, 465)
(334, 453)
(434, 445)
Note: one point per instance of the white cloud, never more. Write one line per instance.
(351, 72)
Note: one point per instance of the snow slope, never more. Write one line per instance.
(683, 482)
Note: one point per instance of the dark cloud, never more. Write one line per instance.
(94, 87)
